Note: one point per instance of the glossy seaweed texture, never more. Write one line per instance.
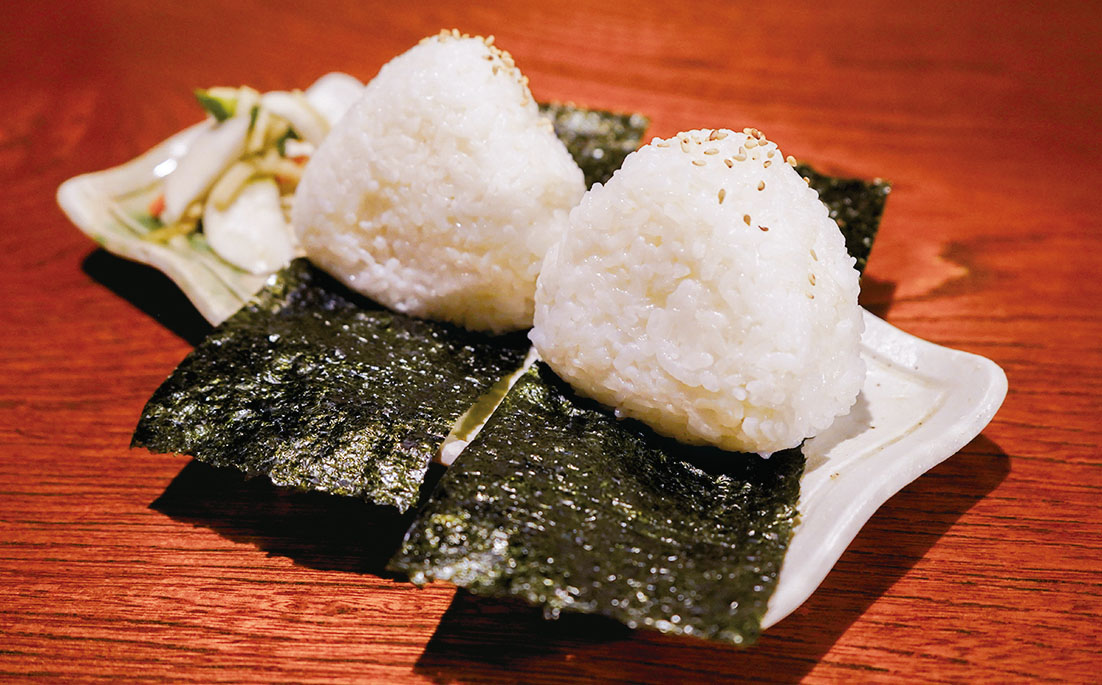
(855, 205)
(560, 504)
(598, 140)
(320, 389)
(556, 502)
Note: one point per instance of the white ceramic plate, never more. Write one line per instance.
(920, 403)
(109, 206)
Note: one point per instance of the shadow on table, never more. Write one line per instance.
(480, 639)
(876, 295)
(313, 529)
(150, 291)
(485, 639)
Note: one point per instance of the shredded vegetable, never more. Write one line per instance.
(251, 138)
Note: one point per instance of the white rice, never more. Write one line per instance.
(705, 291)
(440, 191)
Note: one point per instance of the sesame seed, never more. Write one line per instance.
(722, 194)
(791, 160)
(698, 162)
(761, 185)
(711, 151)
(751, 144)
(814, 256)
(729, 163)
(810, 296)
(811, 278)
(746, 219)
(807, 180)
(684, 145)
(764, 228)
(741, 157)
(770, 155)
(767, 163)
(662, 143)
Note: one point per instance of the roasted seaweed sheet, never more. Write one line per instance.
(556, 502)
(598, 140)
(321, 389)
(559, 503)
(856, 205)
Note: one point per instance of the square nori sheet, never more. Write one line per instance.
(560, 504)
(321, 389)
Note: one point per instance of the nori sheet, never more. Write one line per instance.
(856, 206)
(556, 501)
(598, 140)
(321, 389)
(560, 504)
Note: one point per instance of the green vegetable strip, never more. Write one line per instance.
(322, 390)
(219, 108)
(560, 504)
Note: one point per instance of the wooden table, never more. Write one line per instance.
(118, 564)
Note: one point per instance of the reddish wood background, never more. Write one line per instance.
(118, 564)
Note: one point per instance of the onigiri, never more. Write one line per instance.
(705, 291)
(439, 192)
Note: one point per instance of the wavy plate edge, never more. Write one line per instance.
(949, 397)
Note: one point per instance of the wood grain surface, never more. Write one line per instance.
(116, 564)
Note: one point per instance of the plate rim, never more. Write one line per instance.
(973, 388)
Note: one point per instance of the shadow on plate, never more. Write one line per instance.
(480, 639)
(313, 529)
(150, 291)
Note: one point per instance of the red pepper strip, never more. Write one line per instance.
(157, 206)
